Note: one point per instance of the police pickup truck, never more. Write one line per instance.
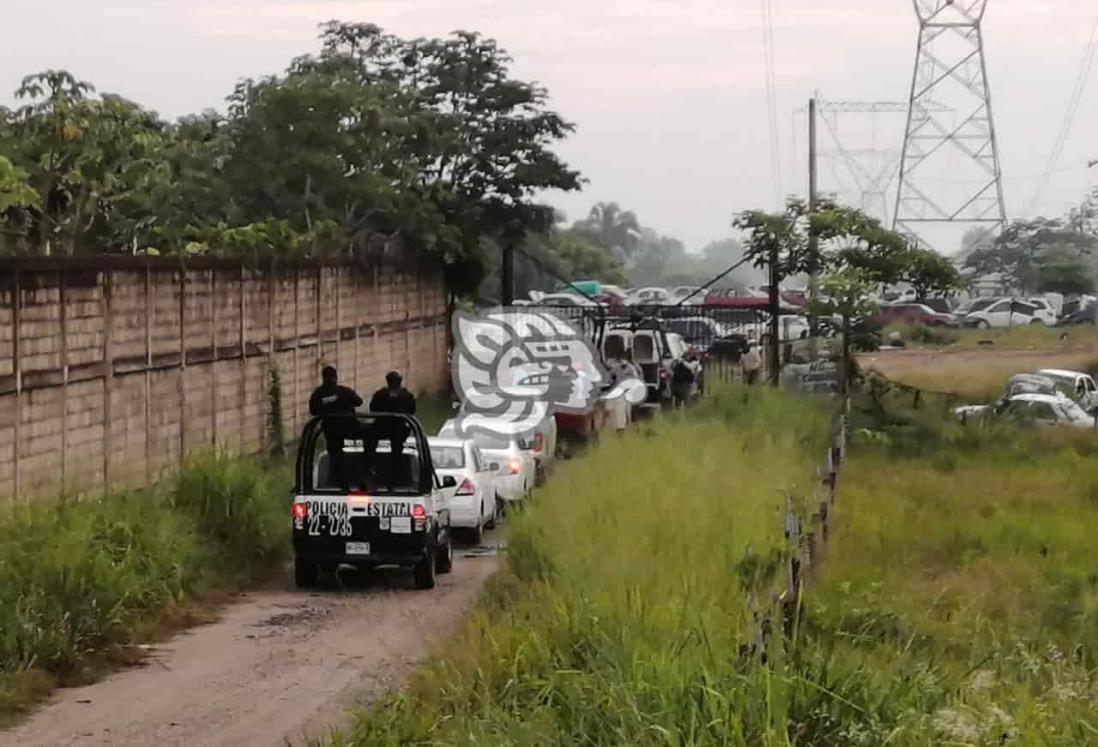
(359, 501)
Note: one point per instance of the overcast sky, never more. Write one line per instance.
(668, 95)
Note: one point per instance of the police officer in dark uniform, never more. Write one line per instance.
(394, 398)
(330, 398)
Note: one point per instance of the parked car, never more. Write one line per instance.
(975, 304)
(1029, 383)
(910, 313)
(1045, 409)
(700, 332)
(653, 350)
(1046, 312)
(1078, 386)
(1042, 409)
(517, 472)
(693, 295)
(366, 509)
(565, 299)
(474, 502)
(939, 305)
(1083, 316)
(1008, 313)
(649, 297)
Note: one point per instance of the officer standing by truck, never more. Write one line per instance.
(330, 398)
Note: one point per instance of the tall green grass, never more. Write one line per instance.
(958, 603)
(630, 586)
(77, 579)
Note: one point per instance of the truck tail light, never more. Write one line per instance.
(419, 517)
(300, 511)
(539, 441)
(466, 488)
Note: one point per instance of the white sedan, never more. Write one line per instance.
(517, 473)
(473, 500)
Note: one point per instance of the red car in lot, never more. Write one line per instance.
(911, 313)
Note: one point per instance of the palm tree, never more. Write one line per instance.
(616, 230)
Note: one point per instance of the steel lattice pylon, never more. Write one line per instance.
(949, 170)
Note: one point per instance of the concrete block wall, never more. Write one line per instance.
(113, 371)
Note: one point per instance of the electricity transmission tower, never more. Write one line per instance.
(949, 168)
(871, 167)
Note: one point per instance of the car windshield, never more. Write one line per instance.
(448, 457)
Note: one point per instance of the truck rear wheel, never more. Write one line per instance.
(425, 570)
(444, 562)
(305, 573)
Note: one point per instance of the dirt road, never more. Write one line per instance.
(277, 667)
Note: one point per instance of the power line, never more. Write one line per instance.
(771, 99)
(1089, 54)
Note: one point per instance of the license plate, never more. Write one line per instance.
(358, 548)
(400, 525)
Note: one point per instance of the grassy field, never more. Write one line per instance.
(627, 593)
(958, 603)
(79, 581)
(976, 375)
(1029, 338)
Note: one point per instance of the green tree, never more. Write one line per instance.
(848, 294)
(16, 199)
(1024, 246)
(1066, 277)
(929, 273)
(617, 231)
(82, 155)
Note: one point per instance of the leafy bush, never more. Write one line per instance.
(77, 578)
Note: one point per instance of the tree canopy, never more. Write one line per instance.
(1037, 254)
(375, 143)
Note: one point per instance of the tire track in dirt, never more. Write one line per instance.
(279, 666)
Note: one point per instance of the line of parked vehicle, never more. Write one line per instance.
(985, 313)
(1047, 397)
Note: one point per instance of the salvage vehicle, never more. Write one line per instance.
(1041, 409)
(360, 502)
(1078, 386)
